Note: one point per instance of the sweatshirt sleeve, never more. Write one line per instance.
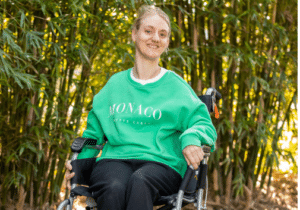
(93, 131)
(197, 126)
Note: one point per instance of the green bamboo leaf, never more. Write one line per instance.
(50, 24)
(227, 167)
(11, 157)
(17, 80)
(44, 79)
(57, 49)
(43, 7)
(5, 67)
(243, 14)
(230, 18)
(23, 17)
(21, 102)
(29, 146)
(264, 84)
(69, 131)
(21, 151)
(291, 157)
(59, 29)
(132, 3)
(40, 155)
(182, 10)
(36, 131)
(83, 55)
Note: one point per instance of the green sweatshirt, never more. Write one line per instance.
(154, 122)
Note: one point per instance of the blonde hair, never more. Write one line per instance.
(147, 10)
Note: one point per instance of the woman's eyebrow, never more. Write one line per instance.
(152, 27)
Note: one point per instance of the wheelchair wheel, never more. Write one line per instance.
(65, 205)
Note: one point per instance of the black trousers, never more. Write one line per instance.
(131, 184)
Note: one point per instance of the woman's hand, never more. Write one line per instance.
(69, 175)
(193, 155)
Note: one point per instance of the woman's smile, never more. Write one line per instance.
(152, 46)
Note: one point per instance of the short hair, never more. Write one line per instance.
(147, 10)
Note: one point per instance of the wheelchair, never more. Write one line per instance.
(193, 188)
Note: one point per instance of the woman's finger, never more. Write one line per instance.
(193, 160)
(193, 155)
(200, 155)
(68, 165)
(69, 185)
(69, 175)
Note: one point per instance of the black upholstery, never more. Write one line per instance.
(83, 169)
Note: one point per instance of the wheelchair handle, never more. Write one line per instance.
(213, 92)
(184, 183)
(186, 177)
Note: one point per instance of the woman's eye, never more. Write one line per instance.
(147, 31)
(163, 35)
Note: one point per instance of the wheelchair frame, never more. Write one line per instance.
(193, 185)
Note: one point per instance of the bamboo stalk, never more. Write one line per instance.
(216, 185)
(21, 200)
(265, 172)
(228, 187)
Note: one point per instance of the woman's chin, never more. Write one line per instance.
(152, 56)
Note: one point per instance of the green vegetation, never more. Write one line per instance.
(55, 55)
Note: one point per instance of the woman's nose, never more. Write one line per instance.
(155, 37)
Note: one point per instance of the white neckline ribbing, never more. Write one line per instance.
(144, 82)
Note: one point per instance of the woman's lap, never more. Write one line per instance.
(131, 184)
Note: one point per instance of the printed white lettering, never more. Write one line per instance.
(129, 108)
(118, 107)
(154, 114)
(145, 112)
(132, 108)
(138, 109)
(112, 109)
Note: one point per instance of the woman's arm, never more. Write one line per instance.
(198, 130)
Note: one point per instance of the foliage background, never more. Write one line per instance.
(56, 55)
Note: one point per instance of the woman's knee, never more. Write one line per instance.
(112, 196)
(116, 187)
(112, 189)
(139, 181)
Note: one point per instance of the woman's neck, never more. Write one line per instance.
(145, 69)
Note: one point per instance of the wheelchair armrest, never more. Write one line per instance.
(80, 142)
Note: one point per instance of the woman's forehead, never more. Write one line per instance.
(155, 21)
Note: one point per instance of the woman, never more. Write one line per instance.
(154, 123)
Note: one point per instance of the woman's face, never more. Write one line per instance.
(152, 38)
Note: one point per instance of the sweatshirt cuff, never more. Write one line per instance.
(190, 140)
(88, 153)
